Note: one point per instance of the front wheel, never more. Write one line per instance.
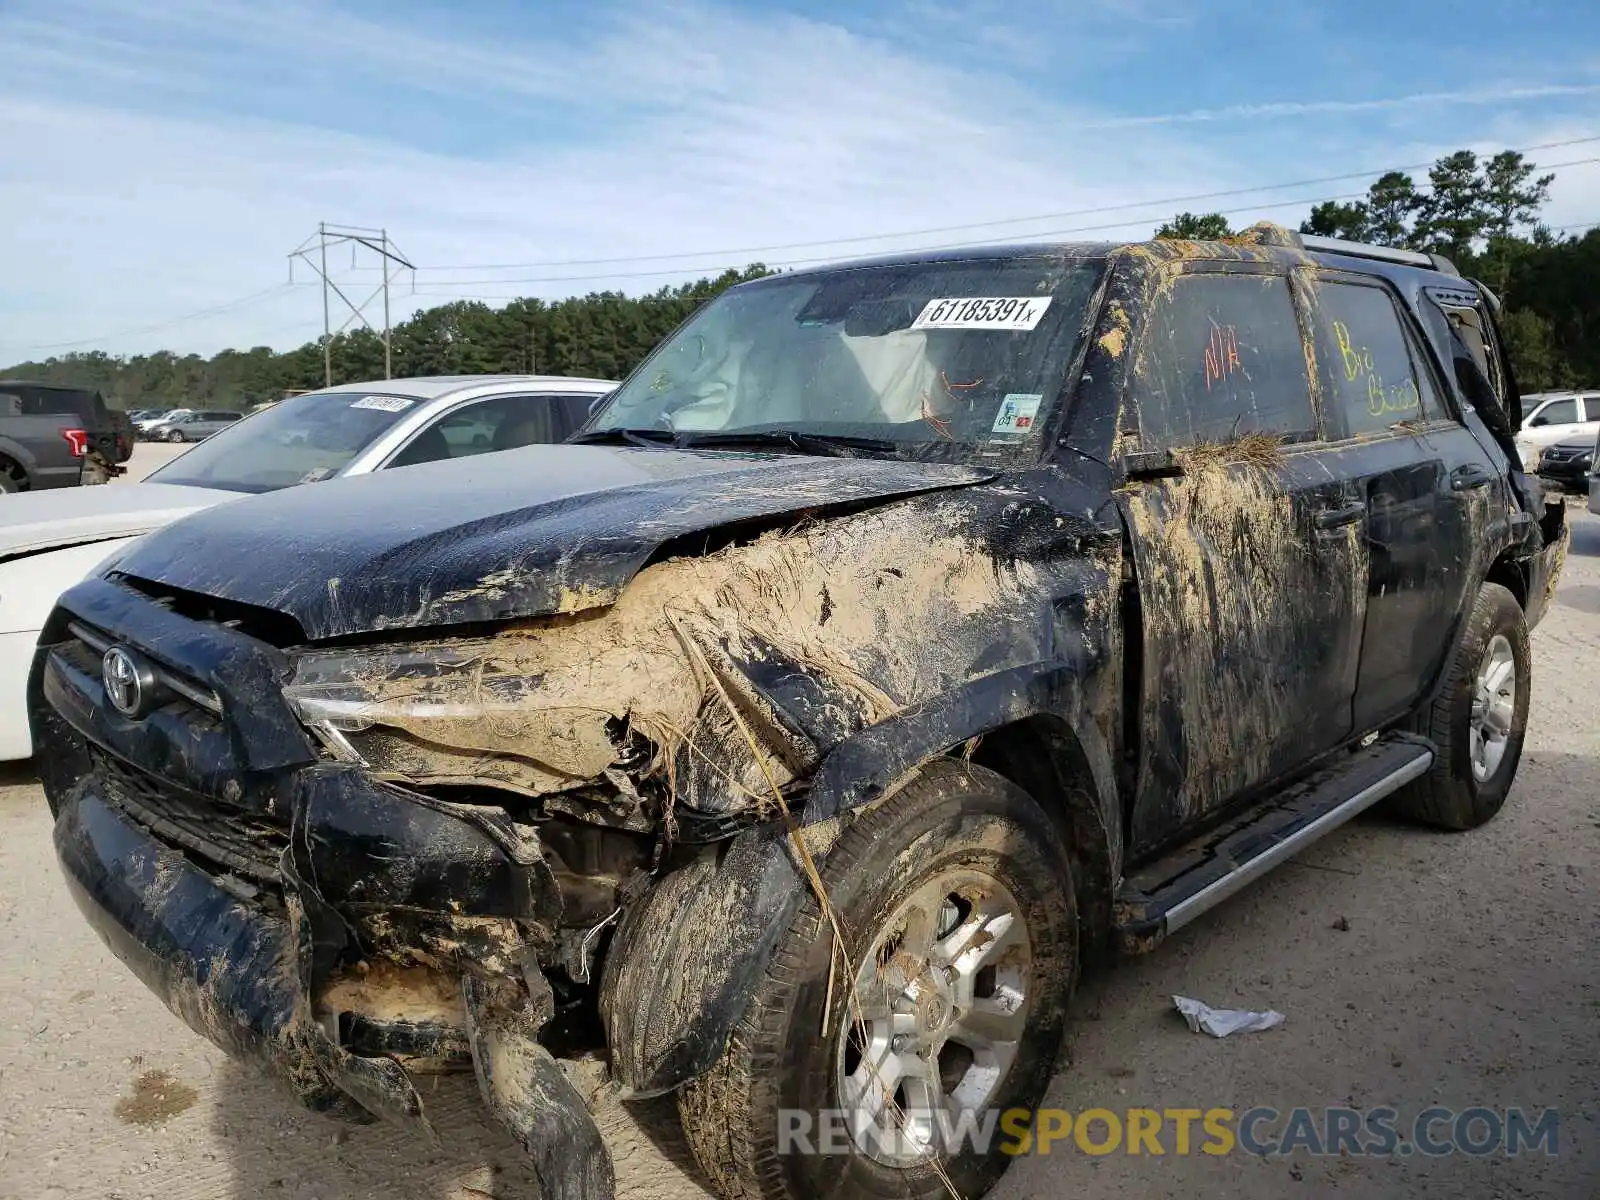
(174, 435)
(1477, 721)
(960, 925)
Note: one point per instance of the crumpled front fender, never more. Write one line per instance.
(689, 954)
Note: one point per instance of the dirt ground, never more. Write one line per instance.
(1414, 969)
(147, 456)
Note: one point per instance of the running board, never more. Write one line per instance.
(1164, 896)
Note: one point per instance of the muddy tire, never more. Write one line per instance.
(960, 860)
(1477, 721)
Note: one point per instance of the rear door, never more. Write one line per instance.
(1247, 544)
(1427, 484)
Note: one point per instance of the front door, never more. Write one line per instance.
(1249, 551)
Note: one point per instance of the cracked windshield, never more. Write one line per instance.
(955, 358)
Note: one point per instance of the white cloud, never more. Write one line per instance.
(674, 129)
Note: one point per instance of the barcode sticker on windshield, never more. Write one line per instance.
(383, 403)
(983, 312)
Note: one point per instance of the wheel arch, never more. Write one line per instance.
(16, 462)
(1042, 755)
(1511, 573)
(688, 955)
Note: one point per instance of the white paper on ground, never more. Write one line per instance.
(1220, 1022)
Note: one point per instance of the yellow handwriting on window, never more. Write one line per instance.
(1401, 398)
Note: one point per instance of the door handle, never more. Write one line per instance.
(1465, 479)
(1336, 518)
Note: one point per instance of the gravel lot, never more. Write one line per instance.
(1414, 969)
(147, 457)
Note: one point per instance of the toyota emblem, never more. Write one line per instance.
(128, 683)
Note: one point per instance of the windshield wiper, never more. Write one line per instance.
(839, 445)
(636, 437)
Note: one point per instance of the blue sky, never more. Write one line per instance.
(163, 156)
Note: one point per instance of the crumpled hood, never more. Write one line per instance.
(521, 533)
(31, 522)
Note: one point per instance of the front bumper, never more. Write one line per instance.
(296, 912)
(1567, 475)
(231, 973)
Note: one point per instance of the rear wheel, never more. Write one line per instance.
(956, 901)
(1478, 720)
(8, 482)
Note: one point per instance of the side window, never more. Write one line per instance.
(40, 404)
(1223, 358)
(500, 423)
(1557, 412)
(529, 421)
(10, 404)
(1374, 380)
(1591, 408)
(575, 411)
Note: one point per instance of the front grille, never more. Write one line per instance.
(87, 646)
(224, 840)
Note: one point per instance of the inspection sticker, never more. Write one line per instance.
(1016, 413)
(983, 312)
(383, 403)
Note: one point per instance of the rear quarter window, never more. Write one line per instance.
(1373, 375)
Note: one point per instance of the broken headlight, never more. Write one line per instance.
(467, 712)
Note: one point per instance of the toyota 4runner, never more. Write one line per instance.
(898, 636)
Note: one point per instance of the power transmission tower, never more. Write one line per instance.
(392, 261)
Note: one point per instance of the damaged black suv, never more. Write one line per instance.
(899, 636)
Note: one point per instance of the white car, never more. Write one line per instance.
(1556, 417)
(51, 540)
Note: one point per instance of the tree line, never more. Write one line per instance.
(1481, 213)
(1484, 215)
(602, 335)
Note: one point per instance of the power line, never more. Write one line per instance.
(200, 314)
(876, 237)
(378, 242)
(808, 261)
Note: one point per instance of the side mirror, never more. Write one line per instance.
(1538, 421)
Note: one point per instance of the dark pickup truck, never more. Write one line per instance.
(53, 436)
(896, 639)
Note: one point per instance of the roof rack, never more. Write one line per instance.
(1415, 258)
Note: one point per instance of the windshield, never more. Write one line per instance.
(944, 359)
(302, 440)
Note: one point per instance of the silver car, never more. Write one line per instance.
(192, 426)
